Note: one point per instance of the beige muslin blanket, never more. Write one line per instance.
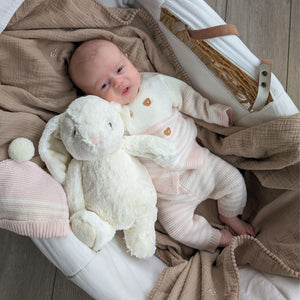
(35, 50)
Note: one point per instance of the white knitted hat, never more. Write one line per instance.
(32, 203)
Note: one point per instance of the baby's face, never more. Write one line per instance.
(112, 76)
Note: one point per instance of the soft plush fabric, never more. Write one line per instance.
(108, 188)
(32, 203)
(34, 54)
(161, 108)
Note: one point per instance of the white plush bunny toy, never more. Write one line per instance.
(107, 187)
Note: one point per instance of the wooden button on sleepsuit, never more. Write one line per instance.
(147, 102)
(167, 131)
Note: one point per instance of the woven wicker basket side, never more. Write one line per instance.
(241, 84)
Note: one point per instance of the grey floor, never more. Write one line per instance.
(270, 28)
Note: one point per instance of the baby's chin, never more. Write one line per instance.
(123, 100)
(128, 101)
(130, 98)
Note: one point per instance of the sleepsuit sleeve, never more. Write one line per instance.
(193, 104)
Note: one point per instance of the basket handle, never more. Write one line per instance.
(212, 32)
(264, 80)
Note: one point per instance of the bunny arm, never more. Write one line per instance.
(73, 187)
(148, 146)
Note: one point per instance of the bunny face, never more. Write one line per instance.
(91, 128)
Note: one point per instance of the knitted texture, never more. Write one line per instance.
(32, 203)
(196, 174)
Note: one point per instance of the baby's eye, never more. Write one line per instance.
(120, 69)
(109, 123)
(104, 85)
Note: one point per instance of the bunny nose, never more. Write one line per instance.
(96, 140)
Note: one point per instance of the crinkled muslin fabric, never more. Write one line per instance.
(35, 50)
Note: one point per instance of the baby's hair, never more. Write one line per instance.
(85, 51)
(82, 54)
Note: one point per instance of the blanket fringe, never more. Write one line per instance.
(242, 239)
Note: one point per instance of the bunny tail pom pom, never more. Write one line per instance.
(21, 149)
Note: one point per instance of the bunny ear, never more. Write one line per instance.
(53, 151)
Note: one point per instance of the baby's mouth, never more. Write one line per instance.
(125, 91)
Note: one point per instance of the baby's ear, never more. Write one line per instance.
(116, 106)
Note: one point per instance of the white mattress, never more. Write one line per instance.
(112, 273)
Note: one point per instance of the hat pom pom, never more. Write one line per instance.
(21, 149)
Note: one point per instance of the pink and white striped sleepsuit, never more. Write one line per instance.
(161, 109)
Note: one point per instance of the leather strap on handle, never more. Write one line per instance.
(212, 32)
(264, 84)
(265, 67)
(267, 62)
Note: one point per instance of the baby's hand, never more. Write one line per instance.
(226, 238)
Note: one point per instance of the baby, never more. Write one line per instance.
(153, 104)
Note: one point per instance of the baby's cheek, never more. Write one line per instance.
(138, 77)
(103, 95)
(112, 97)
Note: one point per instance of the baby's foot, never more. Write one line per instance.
(237, 225)
(226, 238)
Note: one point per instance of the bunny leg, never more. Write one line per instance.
(140, 237)
(91, 229)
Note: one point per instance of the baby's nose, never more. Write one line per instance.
(118, 82)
